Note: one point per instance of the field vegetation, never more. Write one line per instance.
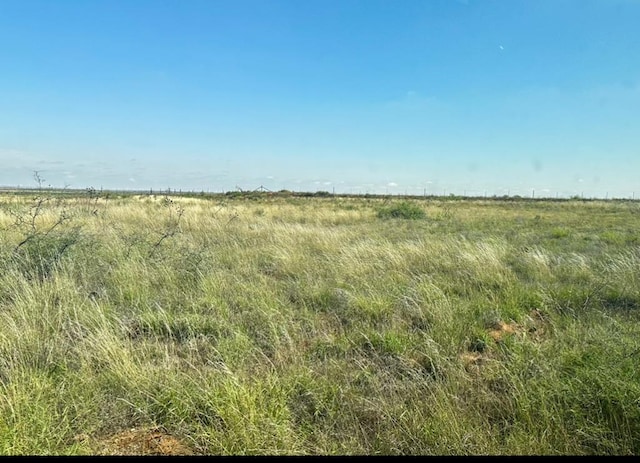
(283, 325)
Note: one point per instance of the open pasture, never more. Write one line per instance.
(259, 324)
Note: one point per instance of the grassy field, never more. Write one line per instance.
(322, 325)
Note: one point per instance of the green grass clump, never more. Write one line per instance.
(402, 210)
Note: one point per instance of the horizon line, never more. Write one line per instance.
(261, 190)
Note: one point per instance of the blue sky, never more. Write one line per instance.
(443, 96)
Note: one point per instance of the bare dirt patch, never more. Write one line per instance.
(501, 329)
(141, 441)
(535, 327)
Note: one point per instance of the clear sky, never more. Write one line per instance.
(400, 96)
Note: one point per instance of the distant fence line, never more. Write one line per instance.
(263, 192)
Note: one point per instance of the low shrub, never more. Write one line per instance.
(402, 210)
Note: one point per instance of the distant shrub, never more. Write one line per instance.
(322, 194)
(560, 232)
(402, 210)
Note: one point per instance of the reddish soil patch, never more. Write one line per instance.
(142, 442)
(502, 329)
(535, 326)
(471, 358)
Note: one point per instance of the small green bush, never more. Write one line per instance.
(402, 210)
(560, 232)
